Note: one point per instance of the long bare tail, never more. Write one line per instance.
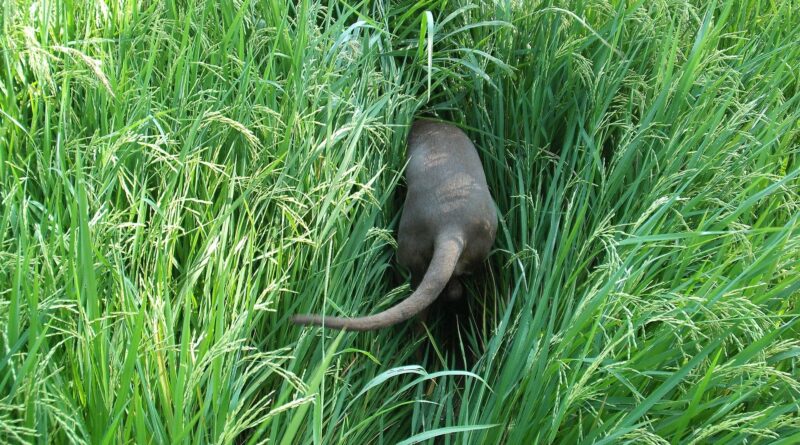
(446, 252)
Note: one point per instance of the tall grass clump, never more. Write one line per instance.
(178, 178)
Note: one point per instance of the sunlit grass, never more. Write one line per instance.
(178, 178)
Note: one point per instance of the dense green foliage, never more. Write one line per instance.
(178, 177)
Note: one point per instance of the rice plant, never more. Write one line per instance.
(178, 178)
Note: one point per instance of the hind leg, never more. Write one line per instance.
(454, 290)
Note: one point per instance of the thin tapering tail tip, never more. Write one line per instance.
(302, 319)
(326, 322)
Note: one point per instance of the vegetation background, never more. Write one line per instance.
(177, 178)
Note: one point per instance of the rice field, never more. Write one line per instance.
(179, 178)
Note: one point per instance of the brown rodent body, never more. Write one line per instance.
(447, 227)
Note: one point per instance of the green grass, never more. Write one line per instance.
(177, 178)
